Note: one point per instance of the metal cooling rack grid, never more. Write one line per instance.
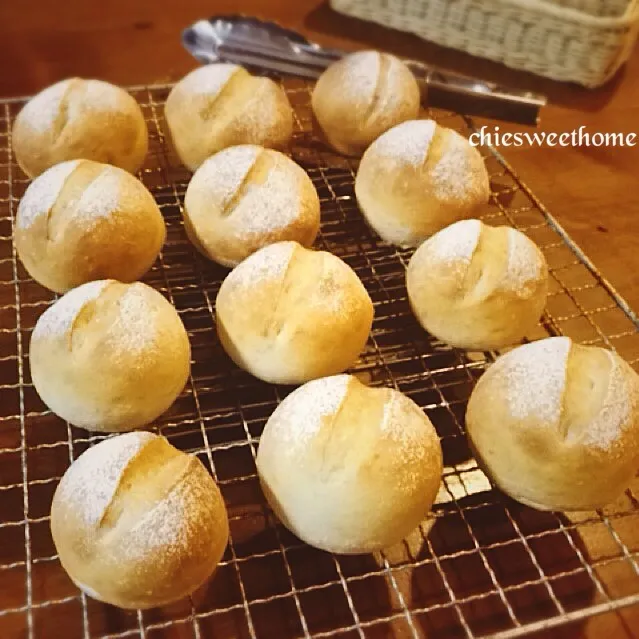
(483, 566)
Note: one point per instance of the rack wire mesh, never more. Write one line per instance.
(483, 565)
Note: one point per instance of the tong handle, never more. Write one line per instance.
(264, 46)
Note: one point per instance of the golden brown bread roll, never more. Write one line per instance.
(222, 105)
(476, 286)
(109, 356)
(81, 221)
(288, 314)
(80, 119)
(138, 523)
(347, 468)
(246, 197)
(361, 96)
(556, 425)
(417, 178)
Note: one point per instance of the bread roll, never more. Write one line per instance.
(556, 425)
(418, 178)
(347, 468)
(476, 286)
(138, 523)
(287, 314)
(109, 356)
(221, 105)
(80, 119)
(362, 95)
(246, 197)
(82, 221)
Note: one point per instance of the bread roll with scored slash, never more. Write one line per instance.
(556, 425)
(348, 468)
(246, 197)
(80, 119)
(109, 356)
(222, 105)
(138, 523)
(81, 221)
(361, 96)
(476, 286)
(287, 314)
(418, 178)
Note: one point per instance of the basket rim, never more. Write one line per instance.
(629, 18)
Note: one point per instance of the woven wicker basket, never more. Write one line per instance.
(584, 41)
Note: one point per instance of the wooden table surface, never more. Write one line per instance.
(594, 192)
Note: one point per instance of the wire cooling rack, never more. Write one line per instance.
(482, 566)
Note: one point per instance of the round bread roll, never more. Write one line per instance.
(109, 356)
(418, 178)
(287, 314)
(556, 425)
(347, 468)
(478, 287)
(82, 221)
(138, 523)
(246, 197)
(80, 119)
(221, 105)
(362, 95)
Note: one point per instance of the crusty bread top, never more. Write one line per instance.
(82, 191)
(369, 457)
(245, 197)
(469, 261)
(362, 95)
(579, 395)
(78, 118)
(222, 105)
(135, 520)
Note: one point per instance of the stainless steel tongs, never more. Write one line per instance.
(269, 47)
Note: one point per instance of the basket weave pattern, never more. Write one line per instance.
(583, 41)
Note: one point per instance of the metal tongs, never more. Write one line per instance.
(267, 46)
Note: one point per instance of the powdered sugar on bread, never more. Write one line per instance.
(98, 95)
(456, 242)
(173, 524)
(142, 512)
(223, 173)
(279, 205)
(525, 264)
(535, 378)
(208, 80)
(42, 110)
(91, 484)
(251, 207)
(299, 418)
(135, 325)
(621, 399)
(459, 172)
(269, 263)
(43, 193)
(407, 142)
(360, 76)
(58, 319)
(101, 198)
